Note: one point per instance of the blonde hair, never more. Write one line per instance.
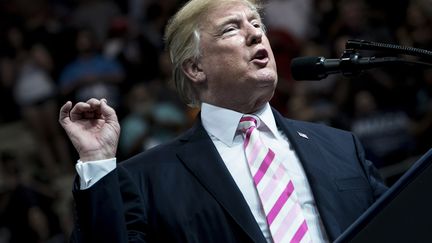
(182, 38)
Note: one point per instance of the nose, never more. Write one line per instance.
(255, 35)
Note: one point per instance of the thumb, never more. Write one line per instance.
(107, 111)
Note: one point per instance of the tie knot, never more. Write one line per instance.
(247, 122)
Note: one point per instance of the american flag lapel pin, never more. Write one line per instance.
(302, 135)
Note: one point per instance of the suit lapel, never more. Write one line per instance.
(319, 178)
(200, 156)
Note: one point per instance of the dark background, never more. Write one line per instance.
(120, 56)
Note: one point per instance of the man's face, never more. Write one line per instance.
(236, 59)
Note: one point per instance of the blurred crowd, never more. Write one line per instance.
(52, 51)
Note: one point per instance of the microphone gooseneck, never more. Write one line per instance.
(350, 63)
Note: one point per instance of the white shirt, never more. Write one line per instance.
(221, 125)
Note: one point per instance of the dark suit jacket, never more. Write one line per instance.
(182, 191)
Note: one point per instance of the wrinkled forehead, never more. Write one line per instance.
(226, 4)
(224, 8)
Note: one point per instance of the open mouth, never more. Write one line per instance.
(260, 54)
(261, 57)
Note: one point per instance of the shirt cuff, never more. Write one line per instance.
(92, 171)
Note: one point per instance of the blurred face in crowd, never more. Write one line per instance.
(236, 68)
(85, 41)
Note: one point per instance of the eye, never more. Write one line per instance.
(257, 24)
(229, 29)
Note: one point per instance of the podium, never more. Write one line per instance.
(402, 214)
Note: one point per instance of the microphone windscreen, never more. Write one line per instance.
(307, 68)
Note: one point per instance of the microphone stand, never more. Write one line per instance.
(376, 46)
(351, 57)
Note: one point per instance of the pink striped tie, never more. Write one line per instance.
(284, 215)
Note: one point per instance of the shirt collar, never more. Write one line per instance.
(222, 123)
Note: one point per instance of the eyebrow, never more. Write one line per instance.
(236, 18)
(228, 20)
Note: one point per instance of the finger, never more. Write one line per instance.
(78, 110)
(93, 102)
(64, 113)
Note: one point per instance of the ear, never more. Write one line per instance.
(192, 69)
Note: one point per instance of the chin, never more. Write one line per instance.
(268, 81)
(268, 77)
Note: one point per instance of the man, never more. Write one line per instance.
(204, 186)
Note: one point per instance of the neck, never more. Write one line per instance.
(245, 109)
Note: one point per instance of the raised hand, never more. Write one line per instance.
(92, 127)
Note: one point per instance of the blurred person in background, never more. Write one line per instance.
(91, 74)
(36, 94)
(23, 213)
(96, 15)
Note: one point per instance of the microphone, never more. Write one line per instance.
(317, 68)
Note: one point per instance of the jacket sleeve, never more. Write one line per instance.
(109, 211)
